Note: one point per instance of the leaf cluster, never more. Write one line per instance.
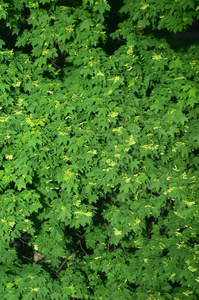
(99, 151)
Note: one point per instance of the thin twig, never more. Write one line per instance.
(69, 255)
(82, 248)
(67, 258)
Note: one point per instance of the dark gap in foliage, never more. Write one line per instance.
(133, 286)
(76, 240)
(169, 205)
(80, 241)
(23, 248)
(165, 252)
(49, 75)
(25, 15)
(98, 218)
(47, 6)
(27, 49)
(69, 3)
(11, 185)
(164, 212)
(151, 192)
(48, 268)
(150, 221)
(163, 231)
(192, 31)
(34, 184)
(174, 284)
(112, 19)
(174, 100)
(149, 91)
(102, 276)
(23, 25)
(60, 64)
(7, 36)
(180, 40)
(193, 241)
(183, 40)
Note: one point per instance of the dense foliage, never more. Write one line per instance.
(99, 150)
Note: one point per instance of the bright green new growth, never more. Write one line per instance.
(99, 150)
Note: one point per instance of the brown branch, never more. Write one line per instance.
(55, 64)
(69, 255)
(82, 247)
(67, 258)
